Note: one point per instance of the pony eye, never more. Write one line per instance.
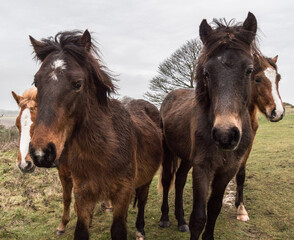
(278, 77)
(257, 80)
(34, 83)
(205, 73)
(249, 71)
(76, 85)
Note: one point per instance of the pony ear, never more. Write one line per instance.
(204, 31)
(85, 40)
(38, 47)
(250, 23)
(16, 97)
(275, 59)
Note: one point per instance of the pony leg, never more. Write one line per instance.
(180, 182)
(142, 195)
(85, 203)
(166, 179)
(200, 191)
(120, 211)
(107, 206)
(66, 182)
(214, 205)
(242, 214)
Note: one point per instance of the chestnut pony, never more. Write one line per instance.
(112, 149)
(210, 129)
(25, 123)
(264, 97)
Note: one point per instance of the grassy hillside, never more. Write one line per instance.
(31, 205)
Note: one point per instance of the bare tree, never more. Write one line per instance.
(175, 72)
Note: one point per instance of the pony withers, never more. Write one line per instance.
(112, 149)
(264, 97)
(211, 132)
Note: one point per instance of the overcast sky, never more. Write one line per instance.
(134, 36)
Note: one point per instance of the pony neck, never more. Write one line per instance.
(253, 111)
(94, 127)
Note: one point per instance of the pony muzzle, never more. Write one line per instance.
(44, 157)
(226, 134)
(29, 167)
(276, 115)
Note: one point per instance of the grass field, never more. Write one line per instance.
(31, 204)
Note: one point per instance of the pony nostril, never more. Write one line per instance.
(215, 135)
(50, 152)
(235, 134)
(227, 139)
(273, 114)
(29, 165)
(283, 114)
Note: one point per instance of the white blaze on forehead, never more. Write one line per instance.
(271, 74)
(58, 63)
(25, 136)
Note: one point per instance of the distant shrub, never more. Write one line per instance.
(288, 104)
(8, 135)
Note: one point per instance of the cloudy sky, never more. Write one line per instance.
(134, 36)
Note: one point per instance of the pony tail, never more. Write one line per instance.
(168, 169)
(174, 170)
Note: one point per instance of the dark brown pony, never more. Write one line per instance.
(210, 129)
(112, 149)
(263, 90)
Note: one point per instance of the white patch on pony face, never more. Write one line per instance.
(39, 153)
(271, 74)
(25, 136)
(58, 63)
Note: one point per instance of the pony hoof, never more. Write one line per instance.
(107, 207)
(242, 214)
(108, 210)
(59, 232)
(243, 218)
(139, 236)
(164, 224)
(184, 228)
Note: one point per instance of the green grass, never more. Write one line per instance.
(31, 204)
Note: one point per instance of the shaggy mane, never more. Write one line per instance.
(29, 98)
(69, 42)
(225, 35)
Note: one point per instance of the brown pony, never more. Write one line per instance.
(210, 129)
(25, 124)
(112, 150)
(262, 97)
(266, 98)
